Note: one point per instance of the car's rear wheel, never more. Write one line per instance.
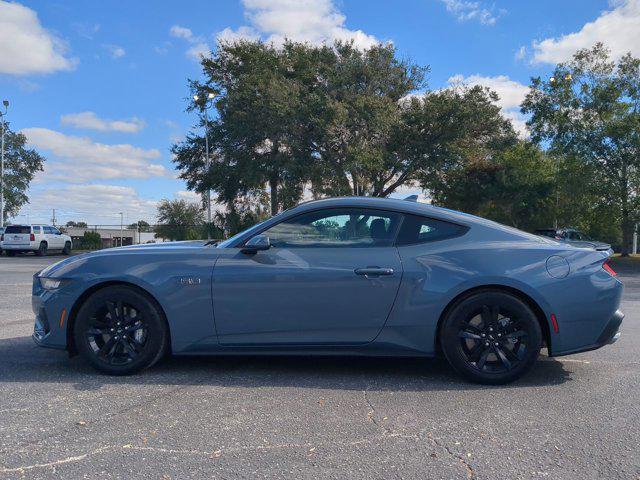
(42, 249)
(491, 337)
(67, 248)
(120, 331)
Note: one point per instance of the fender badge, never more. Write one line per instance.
(190, 281)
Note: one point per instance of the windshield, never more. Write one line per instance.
(18, 229)
(231, 240)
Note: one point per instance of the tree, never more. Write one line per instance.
(141, 226)
(179, 220)
(514, 187)
(71, 223)
(359, 112)
(20, 166)
(91, 240)
(590, 110)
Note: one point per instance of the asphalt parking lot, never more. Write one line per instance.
(249, 417)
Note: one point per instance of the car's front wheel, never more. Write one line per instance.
(67, 248)
(120, 331)
(491, 337)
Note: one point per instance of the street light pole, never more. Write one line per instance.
(205, 107)
(121, 227)
(2, 115)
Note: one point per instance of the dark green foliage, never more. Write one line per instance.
(20, 166)
(589, 112)
(180, 220)
(90, 241)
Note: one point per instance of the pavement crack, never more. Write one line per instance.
(62, 461)
(470, 471)
(372, 414)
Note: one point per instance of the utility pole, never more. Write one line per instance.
(2, 116)
(207, 197)
(121, 227)
(53, 217)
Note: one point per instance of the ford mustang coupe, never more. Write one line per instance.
(341, 276)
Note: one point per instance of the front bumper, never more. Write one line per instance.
(609, 335)
(50, 309)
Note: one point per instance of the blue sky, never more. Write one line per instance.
(100, 88)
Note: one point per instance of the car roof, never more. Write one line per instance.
(395, 204)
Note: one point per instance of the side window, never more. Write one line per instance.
(416, 229)
(37, 230)
(336, 228)
(55, 231)
(46, 230)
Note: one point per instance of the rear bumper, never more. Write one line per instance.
(19, 246)
(609, 335)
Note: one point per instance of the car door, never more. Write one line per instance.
(330, 277)
(57, 238)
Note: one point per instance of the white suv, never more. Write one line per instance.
(34, 238)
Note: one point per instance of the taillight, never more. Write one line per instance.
(2, 238)
(32, 238)
(609, 270)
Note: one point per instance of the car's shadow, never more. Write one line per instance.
(22, 361)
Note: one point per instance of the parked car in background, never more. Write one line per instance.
(1, 232)
(38, 239)
(572, 236)
(351, 276)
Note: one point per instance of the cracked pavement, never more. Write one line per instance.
(279, 417)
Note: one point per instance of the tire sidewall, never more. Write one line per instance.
(42, 249)
(157, 332)
(67, 248)
(451, 344)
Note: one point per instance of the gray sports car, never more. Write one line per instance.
(357, 276)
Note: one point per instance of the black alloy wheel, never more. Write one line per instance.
(119, 330)
(491, 337)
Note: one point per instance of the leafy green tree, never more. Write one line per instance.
(71, 223)
(359, 111)
(91, 240)
(179, 220)
(514, 187)
(443, 133)
(141, 226)
(590, 110)
(20, 166)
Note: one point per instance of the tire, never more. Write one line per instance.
(42, 249)
(491, 337)
(137, 342)
(67, 248)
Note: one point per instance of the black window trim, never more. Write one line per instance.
(463, 228)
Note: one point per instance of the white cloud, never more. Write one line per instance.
(198, 46)
(465, 10)
(521, 53)
(189, 196)
(90, 121)
(312, 21)
(115, 51)
(79, 159)
(27, 48)
(618, 29)
(181, 32)
(511, 95)
(94, 204)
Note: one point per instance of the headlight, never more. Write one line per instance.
(51, 283)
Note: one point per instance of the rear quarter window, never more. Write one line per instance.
(18, 229)
(416, 229)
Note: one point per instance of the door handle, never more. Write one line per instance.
(373, 271)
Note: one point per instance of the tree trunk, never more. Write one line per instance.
(273, 187)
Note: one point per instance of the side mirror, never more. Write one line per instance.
(256, 244)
